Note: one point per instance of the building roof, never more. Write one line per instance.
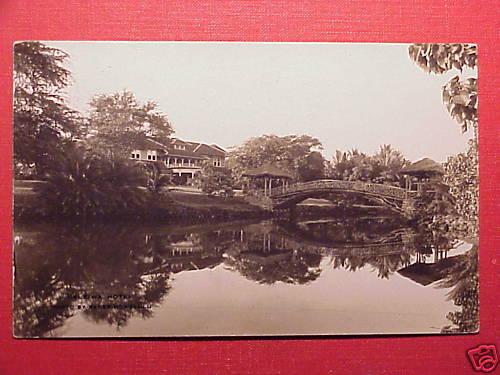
(195, 149)
(190, 149)
(267, 170)
(149, 144)
(423, 166)
(204, 149)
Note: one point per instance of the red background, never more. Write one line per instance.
(326, 21)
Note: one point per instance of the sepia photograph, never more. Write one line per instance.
(193, 189)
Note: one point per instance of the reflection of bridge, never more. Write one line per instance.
(287, 196)
(399, 241)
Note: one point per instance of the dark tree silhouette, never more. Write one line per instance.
(43, 122)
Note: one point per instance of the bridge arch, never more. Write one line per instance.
(389, 196)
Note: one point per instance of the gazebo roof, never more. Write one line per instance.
(267, 170)
(427, 273)
(423, 166)
(421, 273)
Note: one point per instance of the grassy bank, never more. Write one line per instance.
(174, 206)
(190, 207)
(184, 206)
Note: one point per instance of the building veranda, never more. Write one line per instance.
(182, 159)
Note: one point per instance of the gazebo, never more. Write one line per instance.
(422, 171)
(268, 173)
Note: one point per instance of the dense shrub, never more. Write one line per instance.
(85, 185)
(215, 181)
(461, 175)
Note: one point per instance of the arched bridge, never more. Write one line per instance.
(391, 196)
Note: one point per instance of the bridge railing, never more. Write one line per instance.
(358, 186)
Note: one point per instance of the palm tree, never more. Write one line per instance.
(339, 157)
(388, 162)
(83, 185)
(390, 158)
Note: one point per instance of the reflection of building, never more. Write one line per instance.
(187, 253)
(184, 248)
(266, 257)
(431, 262)
(428, 273)
(265, 249)
(183, 159)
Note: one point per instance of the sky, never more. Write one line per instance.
(346, 95)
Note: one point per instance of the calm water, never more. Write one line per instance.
(350, 276)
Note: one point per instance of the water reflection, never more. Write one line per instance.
(59, 269)
(463, 279)
(265, 254)
(111, 273)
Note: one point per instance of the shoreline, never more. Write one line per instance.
(173, 207)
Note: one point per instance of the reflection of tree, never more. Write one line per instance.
(136, 301)
(438, 240)
(41, 301)
(290, 267)
(346, 231)
(55, 268)
(386, 265)
(135, 262)
(459, 272)
(463, 279)
(36, 313)
(265, 254)
(352, 244)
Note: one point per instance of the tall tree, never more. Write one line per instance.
(312, 167)
(389, 162)
(42, 119)
(288, 152)
(382, 167)
(118, 121)
(459, 96)
(390, 158)
(352, 165)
